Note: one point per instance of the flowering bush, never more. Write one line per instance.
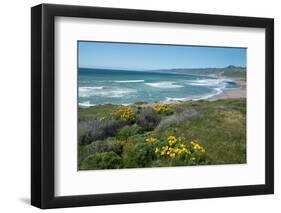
(172, 140)
(163, 108)
(196, 147)
(179, 148)
(151, 140)
(125, 114)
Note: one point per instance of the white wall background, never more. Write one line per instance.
(15, 105)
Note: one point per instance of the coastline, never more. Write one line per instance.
(226, 94)
(233, 93)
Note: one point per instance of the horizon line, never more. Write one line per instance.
(108, 68)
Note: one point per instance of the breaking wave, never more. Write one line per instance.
(164, 85)
(111, 92)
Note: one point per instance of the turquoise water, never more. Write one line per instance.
(99, 86)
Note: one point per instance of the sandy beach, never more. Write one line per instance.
(227, 94)
(230, 93)
(233, 93)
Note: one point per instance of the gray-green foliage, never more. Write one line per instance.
(94, 147)
(99, 129)
(147, 118)
(177, 118)
(104, 160)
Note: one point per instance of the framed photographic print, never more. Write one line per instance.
(139, 106)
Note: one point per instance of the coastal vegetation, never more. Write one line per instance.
(159, 135)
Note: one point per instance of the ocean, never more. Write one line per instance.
(100, 86)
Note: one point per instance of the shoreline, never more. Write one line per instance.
(226, 94)
(233, 93)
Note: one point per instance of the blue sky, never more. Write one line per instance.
(144, 57)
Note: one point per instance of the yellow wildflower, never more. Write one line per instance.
(150, 140)
(157, 150)
(125, 113)
(192, 158)
(165, 148)
(163, 108)
(196, 146)
(182, 146)
(172, 140)
(192, 143)
(172, 155)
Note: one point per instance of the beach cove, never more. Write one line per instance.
(97, 86)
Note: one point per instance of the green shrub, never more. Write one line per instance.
(85, 151)
(118, 147)
(104, 160)
(103, 146)
(147, 118)
(139, 138)
(93, 148)
(140, 155)
(128, 131)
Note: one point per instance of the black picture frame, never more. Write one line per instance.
(43, 102)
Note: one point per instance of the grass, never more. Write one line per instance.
(218, 126)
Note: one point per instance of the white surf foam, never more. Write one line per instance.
(207, 82)
(130, 81)
(111, 92)
(86, 104)
(218, 83)
(217, 91)
(164, 85)
(90, 88)
(176, 99)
